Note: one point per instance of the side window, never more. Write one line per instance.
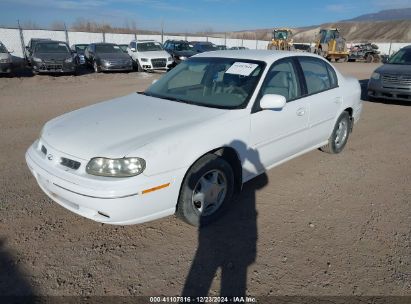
(282, 80)
(333, 76)
(315, 74)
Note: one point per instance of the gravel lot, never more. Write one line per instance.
(317, 225)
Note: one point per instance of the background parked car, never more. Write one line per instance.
(180, 50)
(52, 57)
(221, 47)
(6, 60)
(238, 48)
(107, 57)
(201, 47)
(393, 79)
(149, 55)
(30, 47)
(79, 49)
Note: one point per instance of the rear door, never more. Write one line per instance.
(323, 96)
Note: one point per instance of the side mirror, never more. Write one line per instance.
(132, 49)
(272, 102)
(384, 59)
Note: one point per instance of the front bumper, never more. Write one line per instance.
(6, 68)
(57, 67)
(392, 92)
(118, 201)
(150, 66)
(119, 67)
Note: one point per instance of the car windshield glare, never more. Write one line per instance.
(225, 83)
(183, 47)
(108, 48)
(401, 57)
(149, 47)
(60, 48)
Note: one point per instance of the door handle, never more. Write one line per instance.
(301, 111)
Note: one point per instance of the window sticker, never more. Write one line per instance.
(242, 68)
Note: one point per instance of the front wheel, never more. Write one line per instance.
(339, 136)
(206, 191)
(97, 69)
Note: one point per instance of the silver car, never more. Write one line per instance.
(6, 60)
(393, 79)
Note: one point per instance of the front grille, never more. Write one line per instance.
(159, 62)
(118, 61)
(72, 164)
(396, 80)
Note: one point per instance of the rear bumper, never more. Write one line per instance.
(106, 200)
(394, 92)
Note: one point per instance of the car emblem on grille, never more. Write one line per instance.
(50, 157)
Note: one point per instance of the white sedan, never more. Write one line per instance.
(192, 139)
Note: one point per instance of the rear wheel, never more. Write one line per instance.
(339, 136)
(369, 58)
(206, 191)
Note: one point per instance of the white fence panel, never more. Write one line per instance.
(54, 35)
(119, 38)
(84, 37)
(11, 39)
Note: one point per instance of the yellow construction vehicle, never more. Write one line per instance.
(281, 40)
(331, 45)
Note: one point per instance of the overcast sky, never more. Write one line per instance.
(192, 15)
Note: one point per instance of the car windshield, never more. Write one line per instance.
(53, 47)
(401, 57)
(183, 47)
(149, 47)
(212, 82)
(81, 47)
(108, 48)
(3, 48)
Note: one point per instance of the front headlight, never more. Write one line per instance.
(144, 59)
(375, 76)
(183, 57)
(69, 60)
(37, 59)
(120, 167)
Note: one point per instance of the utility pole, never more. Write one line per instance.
(23, 46)
(67, 36)
(162, 31)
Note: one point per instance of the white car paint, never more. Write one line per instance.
(171, 136)
(147, 65)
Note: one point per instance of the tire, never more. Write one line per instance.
(96, 68)
(339, 136)
(139, 68)
(208, 171)
(369, 58)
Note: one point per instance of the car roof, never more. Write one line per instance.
(268, 56)
(103, 43)
(51, 41)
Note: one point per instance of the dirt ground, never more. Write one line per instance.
(317, 225)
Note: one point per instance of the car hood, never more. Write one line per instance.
(394, 69)
(52, 56)
(154, 54)
(110, 56)
(184, 53)
(120, 126)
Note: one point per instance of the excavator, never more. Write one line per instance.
(331, 45)
(281, 40)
